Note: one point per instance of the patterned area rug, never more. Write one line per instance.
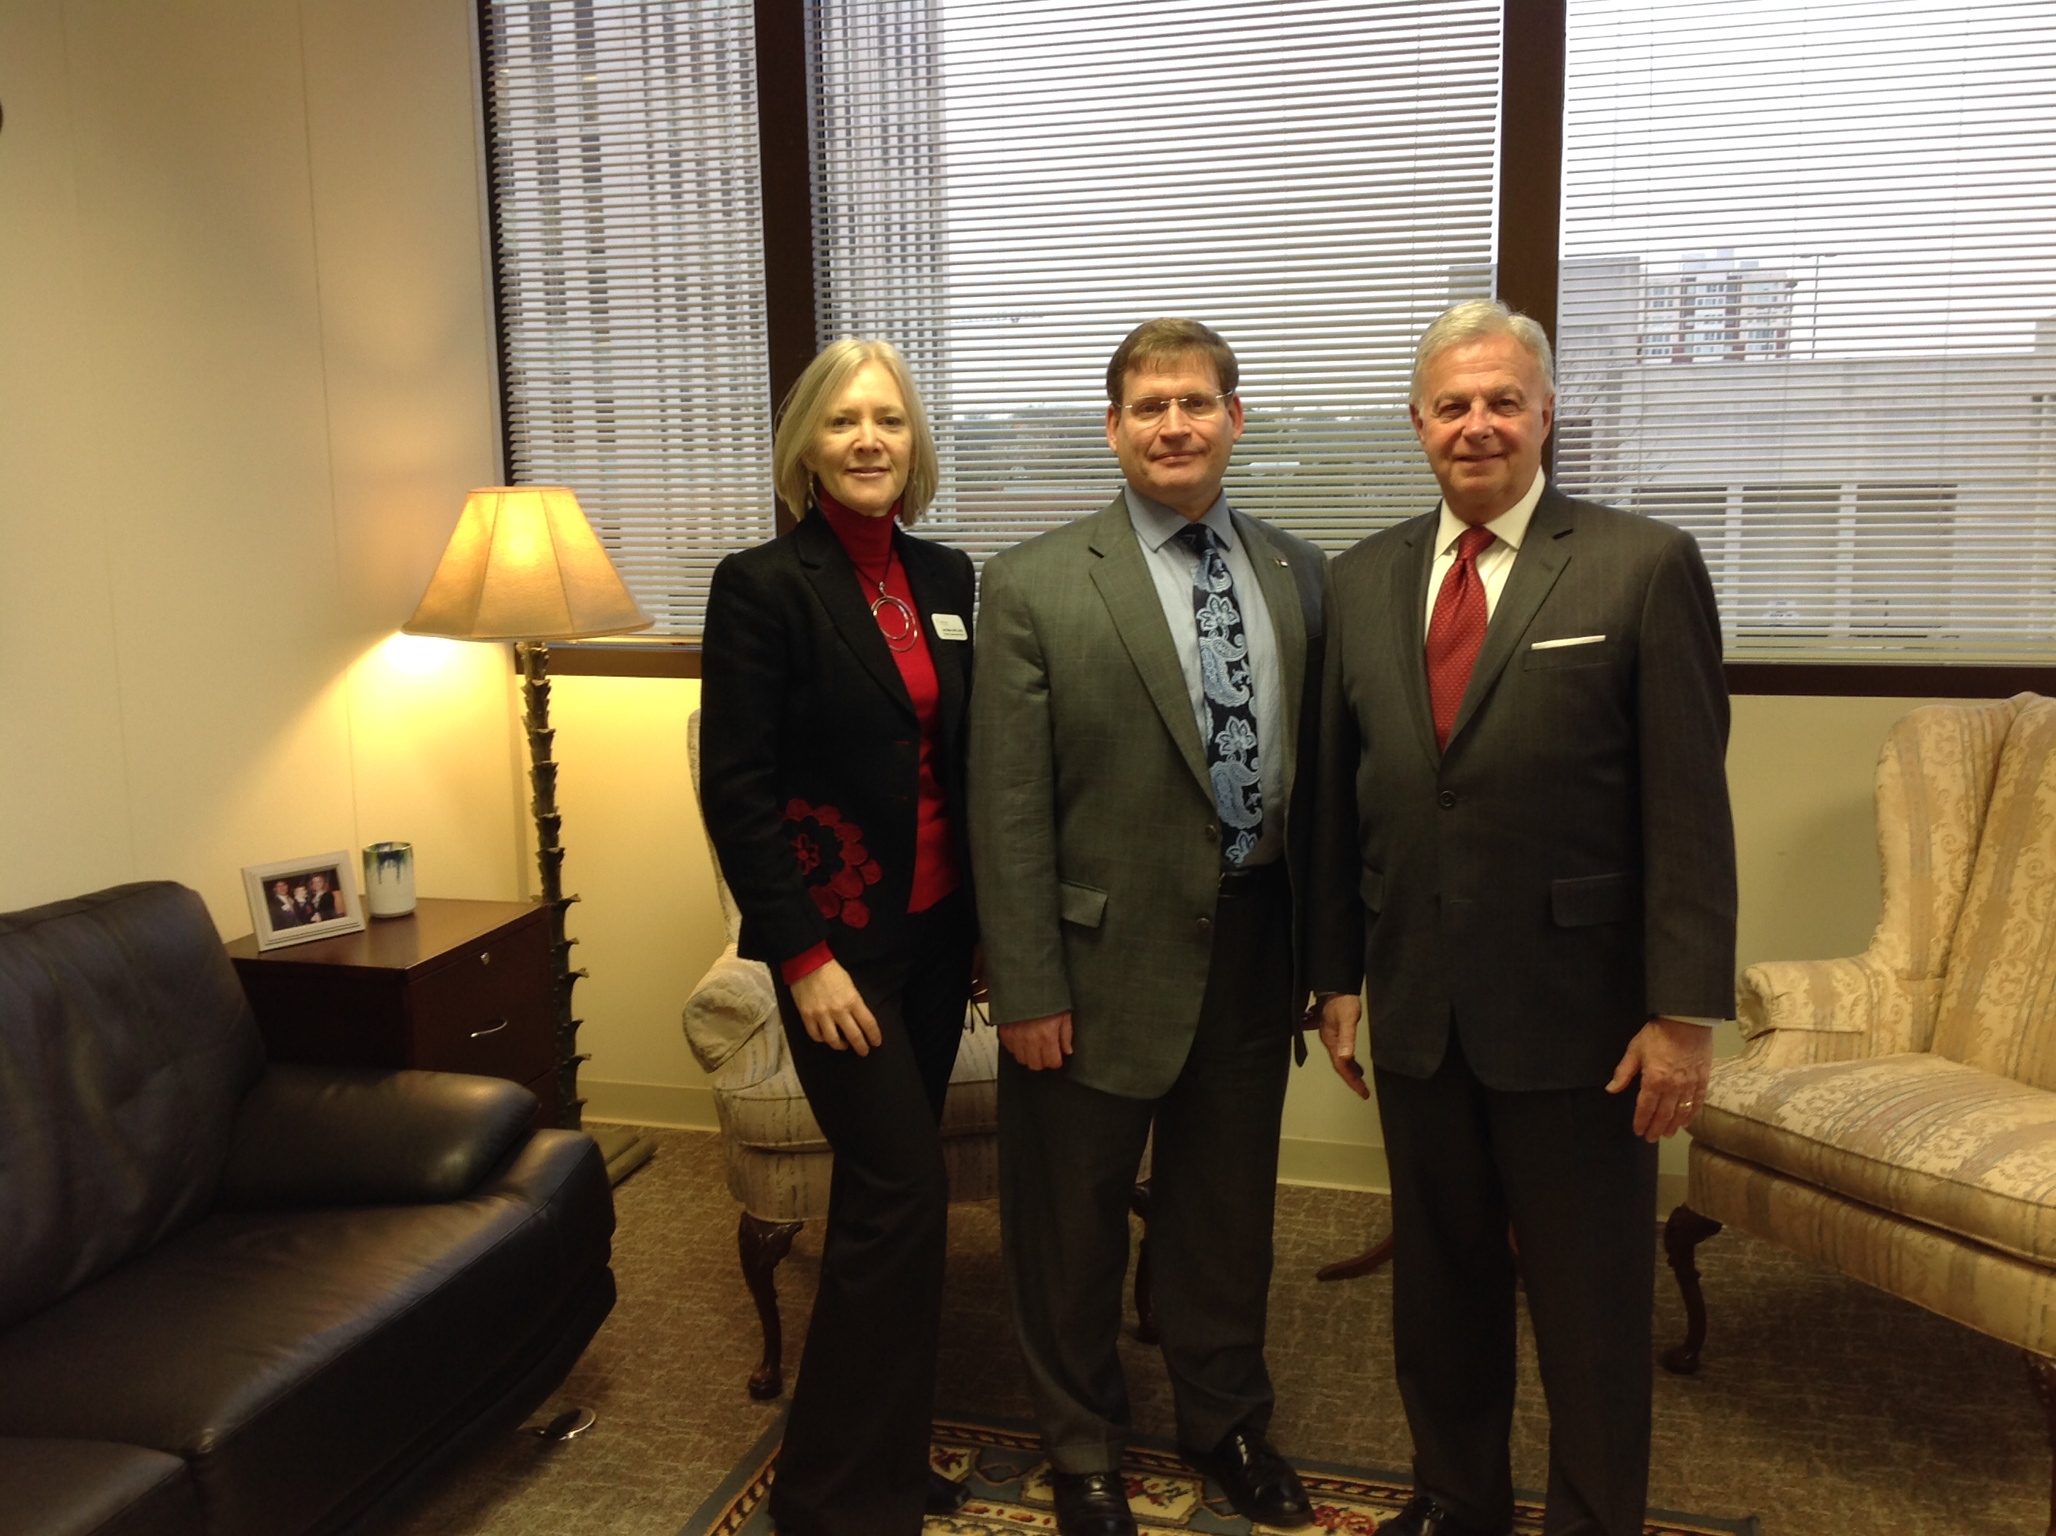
(1009, 1484)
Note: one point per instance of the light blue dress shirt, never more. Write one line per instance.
(1171, 567)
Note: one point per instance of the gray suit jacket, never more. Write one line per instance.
(1566, 870)
(1094, 839)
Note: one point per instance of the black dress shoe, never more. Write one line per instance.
(1424, 1517)
(1092, 1504)
(1257, 1480)
(945, 1495)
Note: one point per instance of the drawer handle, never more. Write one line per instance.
(485, 957)
(480, 1034)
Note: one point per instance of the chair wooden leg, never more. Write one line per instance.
(2041, 1370)
(1145, 1317)
(1356, 1267)
(1683, 1234)
(762, 1244)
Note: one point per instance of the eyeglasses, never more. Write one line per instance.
(1151, 409)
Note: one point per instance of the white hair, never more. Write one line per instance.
(1480, 320)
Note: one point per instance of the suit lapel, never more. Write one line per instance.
(1408, 610)
(1122, 576)
(1288, 625)
(1544, 553)
(834, 580)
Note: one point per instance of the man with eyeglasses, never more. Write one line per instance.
(1146, 690)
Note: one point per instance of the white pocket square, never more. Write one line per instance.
(1557, 645)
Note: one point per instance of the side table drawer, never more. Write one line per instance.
(488, 1012)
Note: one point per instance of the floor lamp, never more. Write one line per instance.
(524, 565)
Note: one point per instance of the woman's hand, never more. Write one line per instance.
(833, 1010)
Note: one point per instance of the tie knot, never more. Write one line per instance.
(1473, 542)
(1196, 537)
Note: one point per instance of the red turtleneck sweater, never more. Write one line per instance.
(869, 543)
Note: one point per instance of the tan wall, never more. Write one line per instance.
(245, 379)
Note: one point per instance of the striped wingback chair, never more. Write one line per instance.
(1894, 1114)
(778, 1161)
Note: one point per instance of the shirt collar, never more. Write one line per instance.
(1156, 524)
(1511, 526)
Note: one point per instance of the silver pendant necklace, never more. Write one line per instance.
(895, 620)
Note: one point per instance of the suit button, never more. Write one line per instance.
(1211, 831)
(1206, 928)
(1446, 799)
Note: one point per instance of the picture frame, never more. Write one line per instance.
(295, 901)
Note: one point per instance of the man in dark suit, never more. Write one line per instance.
(1148, 681)
(284, 914)
(1525, 854)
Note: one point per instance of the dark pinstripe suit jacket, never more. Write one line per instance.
(1566, 869)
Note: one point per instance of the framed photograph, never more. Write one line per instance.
(295, 900)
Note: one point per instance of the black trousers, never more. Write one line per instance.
(1566, 1170)
(1068, 1159)
(855, 1458)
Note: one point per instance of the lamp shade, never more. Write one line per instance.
(524, 564)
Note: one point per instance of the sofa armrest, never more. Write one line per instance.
(313, 1136)
(562, 1177)
(729, 1007)
(1793, 1012)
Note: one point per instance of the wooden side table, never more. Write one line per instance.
(456, 986)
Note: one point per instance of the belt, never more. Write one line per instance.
(1252, 878)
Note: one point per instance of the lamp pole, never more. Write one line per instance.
(533, 658)
(623, 1149)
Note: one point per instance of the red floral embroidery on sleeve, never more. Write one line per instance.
(833, 860)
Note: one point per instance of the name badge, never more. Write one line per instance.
(947, 626)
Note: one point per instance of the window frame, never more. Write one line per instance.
(1530, 211)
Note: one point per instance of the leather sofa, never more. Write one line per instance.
(244, 1299)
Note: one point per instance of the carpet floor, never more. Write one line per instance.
(1823, 1407)
(1002, 1470)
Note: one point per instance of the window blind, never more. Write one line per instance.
(1809, 311)
(1004, 189)
(623, 141)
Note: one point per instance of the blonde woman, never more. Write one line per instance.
(837, 667)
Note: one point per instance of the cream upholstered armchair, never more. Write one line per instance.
(1894, 1114)
(778, 1161)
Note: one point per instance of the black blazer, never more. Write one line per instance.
(810, 753)
(1566, 869)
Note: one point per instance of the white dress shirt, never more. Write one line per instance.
(1171, 567)
(1496, 563)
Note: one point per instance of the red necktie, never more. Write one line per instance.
(1455, 631)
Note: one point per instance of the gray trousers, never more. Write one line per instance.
(1068, 1160)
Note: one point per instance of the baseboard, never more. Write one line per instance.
(1355, 1165)
(1333, 1165)
(686, 1106)
(1319, 1164)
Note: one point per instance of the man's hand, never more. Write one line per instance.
(1675, 1061)
(833, 1010)
(1339, 1015)
(1038, 1043)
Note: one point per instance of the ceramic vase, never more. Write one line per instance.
(389, 879)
